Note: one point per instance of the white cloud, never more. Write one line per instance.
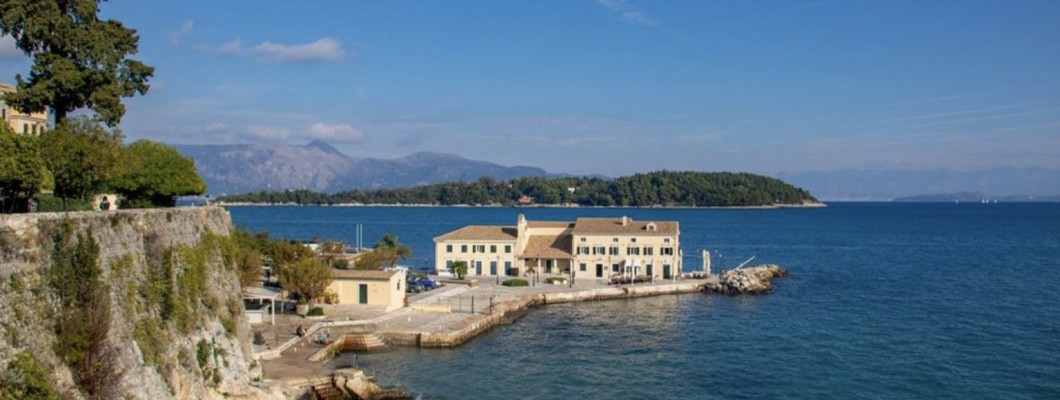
(234, 46)
(185, 29)
(216, 127)
(8, 51)
(627, 12)
(333, 133)
(323, 50)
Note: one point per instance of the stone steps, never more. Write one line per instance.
(364, 342)
(328, 391)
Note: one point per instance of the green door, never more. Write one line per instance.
(648, 269)
(363, 293)
(666, 272)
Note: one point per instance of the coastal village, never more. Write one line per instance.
(590, 259)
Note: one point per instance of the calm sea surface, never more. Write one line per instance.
(895, 301)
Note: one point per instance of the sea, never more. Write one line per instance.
(883, 301)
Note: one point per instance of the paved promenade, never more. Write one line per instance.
(432, 327)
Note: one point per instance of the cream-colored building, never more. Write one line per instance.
(376, 288)
(26, 124)
(587, 247)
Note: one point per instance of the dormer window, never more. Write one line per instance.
(651, 227)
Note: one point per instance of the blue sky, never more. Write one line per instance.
(610, 86)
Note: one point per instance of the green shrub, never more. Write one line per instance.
(315, 311)
(25, 379)
(54, 204)
(556, 279)
(515, 283)
(202, 353)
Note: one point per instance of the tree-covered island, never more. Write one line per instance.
(654, 189)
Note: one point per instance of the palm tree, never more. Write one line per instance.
(392, 250)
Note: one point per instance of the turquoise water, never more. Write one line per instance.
(884, 301)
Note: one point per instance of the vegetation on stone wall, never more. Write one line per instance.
(25, 379)
(83, 318)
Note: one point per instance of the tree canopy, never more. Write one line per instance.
(22, 172)
(306, 278)
(391, 250)
(79, 60)
(82, 156)
(153, 173)
(663, 188)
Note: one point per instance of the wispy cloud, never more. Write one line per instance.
(342, 133)
(8, 51)
(185, 28)
(627, 12)
(921, 101)
(333, 133)
(323, 50)
(215, 127)
(234, 46)
(266, 133)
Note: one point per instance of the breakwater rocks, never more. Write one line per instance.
(752, 280)
(361, 386)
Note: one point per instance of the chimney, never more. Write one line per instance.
(625, 220)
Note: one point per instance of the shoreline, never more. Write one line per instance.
(568, 206)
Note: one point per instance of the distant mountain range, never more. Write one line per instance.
(975, 197)
(885, 185)
(320, 167)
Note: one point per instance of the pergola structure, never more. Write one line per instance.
(261, 294)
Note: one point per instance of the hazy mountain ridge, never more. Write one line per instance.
(976, 197)
(318, 166)
(893, 184)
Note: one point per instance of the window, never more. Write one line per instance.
(399, 285)
(507, 248)
(448, 265)
(667, 240)
(614, 251)
(633, 251)
(583, 250)
(463, 248)
(614, 267)
(581, 267)
(599, 250)
(448, 248)
(667, 251)
(479, 248)
(634, 240)
(25, 129)
(493, 248)
(583, 240)
(649, 251)
(614, 240)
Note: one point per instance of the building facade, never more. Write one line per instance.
(588, 247)
(26, 124)
(375, 288)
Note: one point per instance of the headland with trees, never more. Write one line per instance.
(654, 189)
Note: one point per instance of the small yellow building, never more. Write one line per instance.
(375, 288)
(26, 124)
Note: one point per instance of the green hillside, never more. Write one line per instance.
(664, 188)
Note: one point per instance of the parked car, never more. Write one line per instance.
(428, 283)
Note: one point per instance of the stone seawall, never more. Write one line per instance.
(509, 311)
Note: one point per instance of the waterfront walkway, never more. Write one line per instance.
(287, 359)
